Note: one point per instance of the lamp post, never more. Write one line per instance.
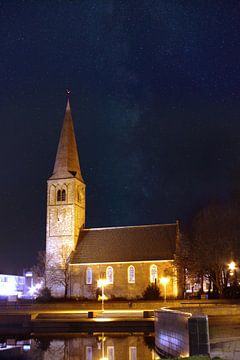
(101, 283)
(164, 281)
(102, 346)
(232, 267)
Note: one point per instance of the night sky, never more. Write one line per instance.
(155, 98)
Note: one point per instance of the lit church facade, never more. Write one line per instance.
(129, 258)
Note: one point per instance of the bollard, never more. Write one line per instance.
(198, 335)
(91, 315)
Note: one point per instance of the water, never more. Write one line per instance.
(99, 346)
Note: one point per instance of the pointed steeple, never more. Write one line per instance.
(67, 160)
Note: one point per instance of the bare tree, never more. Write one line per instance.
(58, 274)
(40, 267)
(214, 242)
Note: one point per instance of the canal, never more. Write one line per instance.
(97, 346)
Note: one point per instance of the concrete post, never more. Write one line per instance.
(198, 335)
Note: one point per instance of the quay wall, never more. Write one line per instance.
(180, 333)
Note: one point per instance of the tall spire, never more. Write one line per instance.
(67, 160)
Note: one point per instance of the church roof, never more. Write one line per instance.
(67, 161)
(120, 244)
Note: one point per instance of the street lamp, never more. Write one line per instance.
(232, 267)
(164, 281)
(101, 283)
(102, 338)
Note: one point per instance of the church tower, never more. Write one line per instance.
(65, 207)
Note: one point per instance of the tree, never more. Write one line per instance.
(214, 242)
(183, 262)
(54, 275)
(58, 274)
(39, 269)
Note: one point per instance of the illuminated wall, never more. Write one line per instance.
(121, 287)
(11, 285)
(64, 219)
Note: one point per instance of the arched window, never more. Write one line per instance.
(89, 353)
(89, 276)
(109, 275)
(153, 273)
(132, 353)
(63, 195)
(131, 274)
(59, 195)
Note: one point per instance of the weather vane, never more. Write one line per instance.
(68, 92)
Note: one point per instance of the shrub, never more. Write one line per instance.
(152, 292)
(44, 295)
(232, 292)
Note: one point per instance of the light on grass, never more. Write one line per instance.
(164, 281)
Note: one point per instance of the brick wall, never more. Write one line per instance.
(121, 287)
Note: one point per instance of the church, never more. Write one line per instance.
(129, 258)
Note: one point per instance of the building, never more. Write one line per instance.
(76, 258)
(19, 286)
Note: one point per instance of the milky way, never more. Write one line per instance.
(155, 101)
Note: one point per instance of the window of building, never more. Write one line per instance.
(131, 274)
(109, 275)
(132, 353)
(89, 276)
(89, 352)
(110, 352)
(63, 195)
(59, 195)
(153, 273)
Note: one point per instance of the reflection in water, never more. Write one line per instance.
(99, 346)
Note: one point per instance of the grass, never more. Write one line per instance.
(200, 357)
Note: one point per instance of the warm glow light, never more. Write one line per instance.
(232, 266)
(164, 280)
(102, 282)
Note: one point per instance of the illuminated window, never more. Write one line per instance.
(59, 195)
(110, 352)
(89, 353)
(63, 195)
(132, 353)
(153, 273)
(89, 276)
(131, 274)
(109, 275)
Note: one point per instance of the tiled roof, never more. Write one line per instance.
(134, 243)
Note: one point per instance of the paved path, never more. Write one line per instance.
(225, 336)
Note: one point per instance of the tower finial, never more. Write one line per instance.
(68, 92)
